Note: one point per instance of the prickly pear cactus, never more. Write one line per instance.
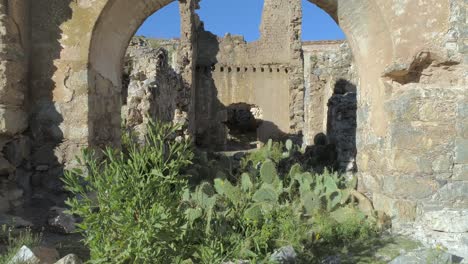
(268, 172)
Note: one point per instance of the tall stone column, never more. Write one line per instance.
(187, 56)
(296, 76)
(13, 95)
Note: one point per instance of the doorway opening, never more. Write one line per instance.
(242, 122)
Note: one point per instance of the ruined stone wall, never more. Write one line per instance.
(411, 102)
(152, 89)
(330, 98)
(266, 73)
(411, 58)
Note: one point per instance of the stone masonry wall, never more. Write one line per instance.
(152, 88)
(411, 59)
(330, 99)
(266, 73)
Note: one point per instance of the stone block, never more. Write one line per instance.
(404, 210)
(46, 255)
(461, 151)
(70, 259)
(408, 187)
(5, 166)
(447, 220)
(442, 163)
(454, 192)
(61, 222)
(18, 150)
(25, 255)
(23, 179)
(460, 172)
(426, 256)
(12, 120)
(462, 128)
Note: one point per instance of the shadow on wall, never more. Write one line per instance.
(210, 114)
(337, 149)
(217, 125)
(41, 174)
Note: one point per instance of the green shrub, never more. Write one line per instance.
(130, 202)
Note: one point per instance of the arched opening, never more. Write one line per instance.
(150, 80)
(330, 78)
(111, 36)
(318, 25)
(274, 79)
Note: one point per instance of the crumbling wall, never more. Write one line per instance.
(411, 58)
(152, 88)
(266, 73)
(413, 164)
(330, 99)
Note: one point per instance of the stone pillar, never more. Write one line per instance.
(13, 95)
(296, 76)
(187, 56)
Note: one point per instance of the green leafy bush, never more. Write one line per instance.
(130, 202)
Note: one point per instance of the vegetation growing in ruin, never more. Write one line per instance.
(14, 241)
(151, 203)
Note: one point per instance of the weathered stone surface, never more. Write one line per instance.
(5, 166)
(61, 61)
(46, 255)
(406, 210)
(460, 172)
(410, 187)
(38, 255)
(447, 220)
(15, 221)
(18, 150)
(453, 193)
(461, 151)
(12, 121)
(69, 259)
(427, 256)
(284, 255)
(25, 255)
(61, 222)
(152, 87)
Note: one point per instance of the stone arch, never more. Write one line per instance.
(364, 28)
(117, 23)
(372, 47)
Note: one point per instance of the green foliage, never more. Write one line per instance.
(272, 150)
(138, 208)
(130, 201)
(15, 240)
(266, 206)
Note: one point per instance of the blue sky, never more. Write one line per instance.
(237, 17)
